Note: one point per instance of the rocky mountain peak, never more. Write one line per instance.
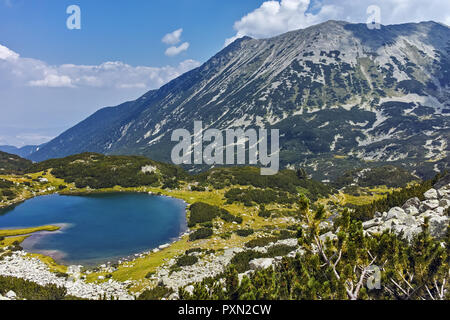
(341, 95)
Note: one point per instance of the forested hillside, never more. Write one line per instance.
(10, 163)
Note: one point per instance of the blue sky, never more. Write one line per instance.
(128, 31)
(52, 77)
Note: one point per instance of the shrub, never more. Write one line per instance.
(228, 217)
(189, 251)
(241, 260)
(198, 188)
(279, 250)
(260, 242)
(202, 213)
(249, 196)
(31, 291)
(394, 199)
(16, 248)
(157, 293)
(186, 260)
(202, 233)
(245, 232)
(286, 234)
(62, 275)
(263, 213)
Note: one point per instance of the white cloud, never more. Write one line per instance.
(42, 100)
(173, 37)
(173, 51)
(52, 81)
(7, 54)
(36, 73)
(276, 17)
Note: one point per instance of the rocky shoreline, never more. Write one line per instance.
(19, 265)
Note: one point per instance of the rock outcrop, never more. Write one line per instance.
(408, 219)
(19, 265)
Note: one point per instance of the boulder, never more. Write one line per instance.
(409, 221)
(411, 232)
(412, 211)
(429, 205)
(439, 211)
(245, 274)
(174, 296)
(370, 224)
(325, 225)
(442, 193)
(11, 295)
(431, 194)
(413, 202)
(396, 213)
(427, 214)
(330, 235)
(261, 264)
(189, 289)
(438, 226)
(444, 203)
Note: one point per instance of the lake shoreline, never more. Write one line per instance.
(184, 230)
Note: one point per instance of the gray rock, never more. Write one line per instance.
(439, 211)
(438, 226)
(413, 202)
(412, 211)
(261, 264)
(444, 203)
(396, 213)
(174, 296)
(442, 193)
(330, 235)
(370, 224)
(429, 205)
(411, 232)
(325, 225)
(189, 289)
(11, 295)
(409, 221)
(242, 275)
(431, 194)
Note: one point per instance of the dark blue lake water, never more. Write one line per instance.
(97, 228)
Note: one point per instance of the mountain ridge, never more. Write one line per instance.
(353, 92)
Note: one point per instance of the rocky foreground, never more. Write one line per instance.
(405, 221)
(32, 269)
(408, 220)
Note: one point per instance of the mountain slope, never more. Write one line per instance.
(23, 152)
(343, 96)
(12, 164)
